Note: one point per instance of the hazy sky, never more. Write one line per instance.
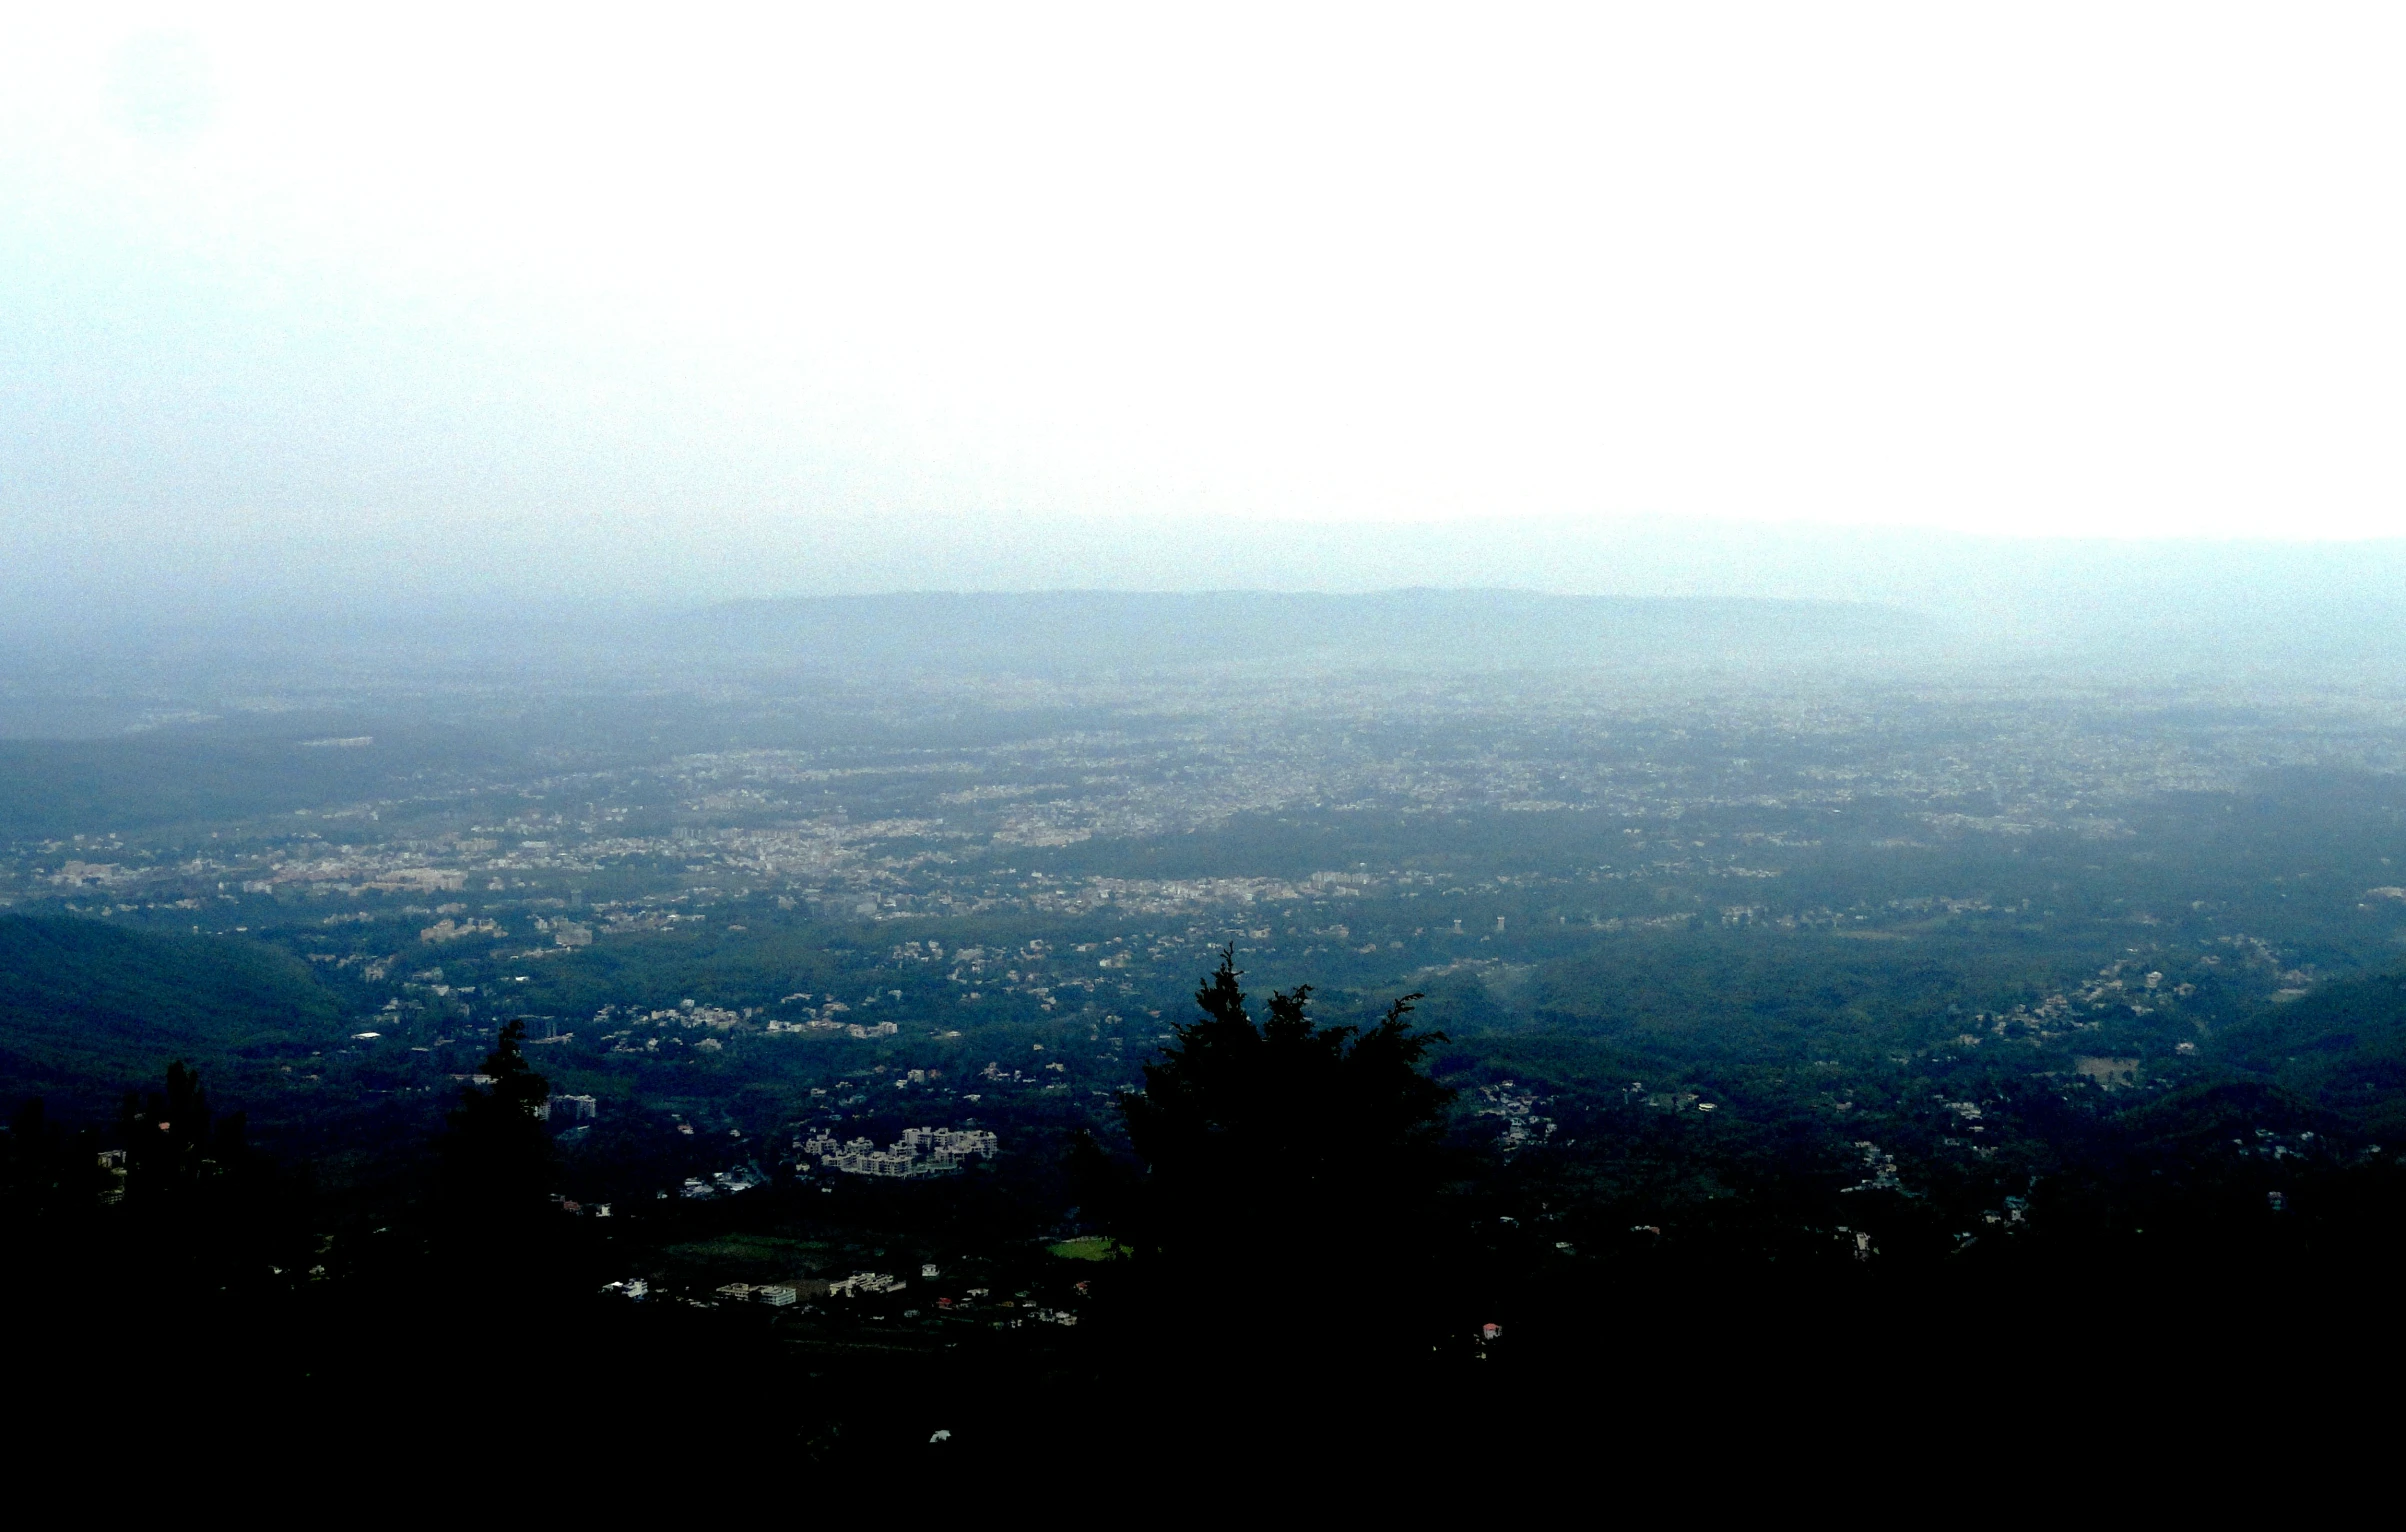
(446, 290)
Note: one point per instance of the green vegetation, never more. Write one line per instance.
(86, 1008)
(1819, 1007)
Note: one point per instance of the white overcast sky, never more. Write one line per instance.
(439, 276)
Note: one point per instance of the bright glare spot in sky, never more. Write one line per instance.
(2037, 270)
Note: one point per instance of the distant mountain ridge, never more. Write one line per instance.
(1094, 630)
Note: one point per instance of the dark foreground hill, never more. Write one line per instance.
(2342, 1047)
(88, 1009)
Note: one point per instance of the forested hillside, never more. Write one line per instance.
(89, 1009)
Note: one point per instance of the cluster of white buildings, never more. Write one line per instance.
(685, 1014)
(1522, 1124)
(1880, 1171)
(822, 1024)
(722, 1183)
(919, 1152)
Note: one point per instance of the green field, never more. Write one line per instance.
(750, 1254)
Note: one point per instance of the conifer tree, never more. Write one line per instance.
(1287, 1164)
(497, 1159)
(171, 1151)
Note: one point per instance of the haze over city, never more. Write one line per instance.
(787, 302)
(900, 747)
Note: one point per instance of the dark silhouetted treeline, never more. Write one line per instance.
(1303, 1238)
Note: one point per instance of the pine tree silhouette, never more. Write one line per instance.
(172, 1154)
(1293, 1175)
(498, 1163)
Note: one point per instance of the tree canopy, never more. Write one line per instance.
(1286, 1164)
(498, 1162)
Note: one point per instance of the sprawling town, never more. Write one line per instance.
(812, 995)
